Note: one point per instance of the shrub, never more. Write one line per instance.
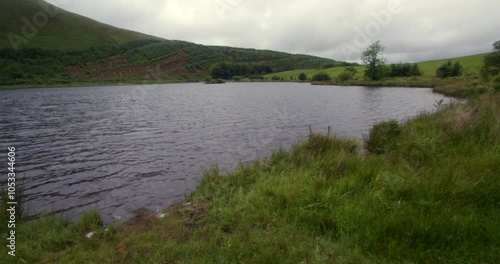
(321, 77)
(276, 78)
(382, 137)
(405, 70)
(303, 76)
(345, 76)
(449, 70)
(236, 78)
(208, 79)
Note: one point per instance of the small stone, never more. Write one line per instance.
(89, 235)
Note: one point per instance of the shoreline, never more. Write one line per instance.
(459, 87)
(264, 202)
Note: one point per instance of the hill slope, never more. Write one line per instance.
(472, 65)
(61, 30)
(71, 48)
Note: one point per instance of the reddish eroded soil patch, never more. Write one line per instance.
(120, 68)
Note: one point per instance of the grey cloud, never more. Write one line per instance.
(422, 30)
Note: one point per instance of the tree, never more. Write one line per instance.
(374, 62)
(457, 69)
(321, 77)
(415, 70)
(404, 70)
(216, 71)
(449, 70)
(444, 70)
(227, 70)
(492, 62)
(302, 76)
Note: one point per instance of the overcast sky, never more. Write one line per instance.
(411, 30)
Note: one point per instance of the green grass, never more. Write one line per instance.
(472, 65)
(427, 192)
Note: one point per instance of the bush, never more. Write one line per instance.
(449, 70)
(321, 77)
(405, 70)
(236, 78)
(276, 78)
(208, 79)
(303, 76)
(382, 137)
(345, 76)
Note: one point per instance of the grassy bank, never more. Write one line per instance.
(426, 191)
(462, 87)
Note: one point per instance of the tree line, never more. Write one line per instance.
(376, 69)
(227, 71)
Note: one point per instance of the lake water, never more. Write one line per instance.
(124, 148)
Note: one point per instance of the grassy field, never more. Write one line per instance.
(472, 65)
(426, 191)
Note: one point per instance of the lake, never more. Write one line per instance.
(121, 149)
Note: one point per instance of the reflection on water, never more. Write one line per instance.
(123, 148)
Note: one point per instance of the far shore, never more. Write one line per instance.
(460, 87)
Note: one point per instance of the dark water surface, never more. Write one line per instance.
(124, 148)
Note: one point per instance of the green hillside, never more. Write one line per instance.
(64, 30)
(71, 49)
(472, 65)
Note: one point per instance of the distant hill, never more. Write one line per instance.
(64, 31)
(69, 48)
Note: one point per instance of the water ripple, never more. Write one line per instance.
(123, 148)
